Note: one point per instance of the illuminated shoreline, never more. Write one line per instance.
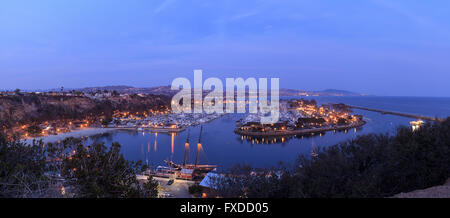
(151, 129)
(77, 133)
(299, 131)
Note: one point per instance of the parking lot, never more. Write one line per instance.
(179, 188)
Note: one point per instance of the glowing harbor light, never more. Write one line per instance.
(415, 125)
(216, 96)
(155, 144)
(63, 190)
(172, 141)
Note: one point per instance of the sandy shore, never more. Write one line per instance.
(94, 131)
(150, 129)
(76, 133)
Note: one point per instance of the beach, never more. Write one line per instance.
(76, 133)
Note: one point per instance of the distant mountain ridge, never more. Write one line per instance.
(165, 90)
(159, 90)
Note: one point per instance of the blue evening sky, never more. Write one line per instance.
(381, 47)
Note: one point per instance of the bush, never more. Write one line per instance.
(33, 130)
(99, 172)
(33, 170)
(23, 170)
(195, 189)
(379, 165)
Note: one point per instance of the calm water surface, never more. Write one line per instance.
(221, 146)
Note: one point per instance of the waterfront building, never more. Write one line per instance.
(186, 174)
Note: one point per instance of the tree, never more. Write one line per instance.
(195, 189)
(98, 172)
(23, 170)
(150, 188)
(34, 130)
(33, 170)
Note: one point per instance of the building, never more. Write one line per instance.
(186, 174)
(259, 127)
(208, 186)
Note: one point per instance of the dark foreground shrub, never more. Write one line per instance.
(195, 189)
(69, 169)
(23, 170)
(98, 172)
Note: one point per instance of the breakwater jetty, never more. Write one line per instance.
(420, 117)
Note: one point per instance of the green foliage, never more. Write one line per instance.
(106, 121)
(195, 189)
(244, 182)
(23, 170)
(349, 169)
(33, 130)
(32, 170)
(150, 189)
(98, 172)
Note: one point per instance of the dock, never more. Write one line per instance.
(419, 117)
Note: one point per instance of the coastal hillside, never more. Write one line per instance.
(166, 90)
(327, 92)
(25, 108)
(159, 90)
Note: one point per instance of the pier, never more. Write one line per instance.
(419, 117)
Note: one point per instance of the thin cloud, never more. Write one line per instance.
(163, 6)
(244, 15)
(410, 15)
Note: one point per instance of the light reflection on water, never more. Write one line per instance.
(222, 147)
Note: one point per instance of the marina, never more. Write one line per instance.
(222, 147)
(224, 100)
(186, 171)
(300, 117)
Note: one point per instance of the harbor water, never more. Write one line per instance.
(222, 147)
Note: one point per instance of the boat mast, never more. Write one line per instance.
(199, 145)
(186, 148)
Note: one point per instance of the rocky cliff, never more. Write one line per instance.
(21, 109)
